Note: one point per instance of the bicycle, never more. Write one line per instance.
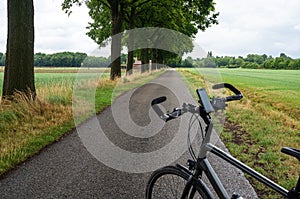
(188, 182)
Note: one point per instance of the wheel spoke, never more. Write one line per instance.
(169, 183)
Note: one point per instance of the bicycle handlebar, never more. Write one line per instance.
(208, 106)
(175, 113)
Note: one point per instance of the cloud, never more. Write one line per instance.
(254, 27)
(3, 31)
(244, 27)
(54, 30)
(297, 27)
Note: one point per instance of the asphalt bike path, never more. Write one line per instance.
(112, 154)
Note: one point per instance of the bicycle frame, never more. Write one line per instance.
(204, 165)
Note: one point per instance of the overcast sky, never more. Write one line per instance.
(245, 26)
(255, 26)
(54, 30)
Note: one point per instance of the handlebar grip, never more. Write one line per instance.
(229, 86)
(235, 97)
(165, 116)
(158, 100)
(238, 95)
(156, 108)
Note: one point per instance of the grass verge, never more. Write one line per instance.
(26, 125)
(262, 123)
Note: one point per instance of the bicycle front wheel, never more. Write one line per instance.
(169, 183)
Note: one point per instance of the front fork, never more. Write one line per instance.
(189, 190)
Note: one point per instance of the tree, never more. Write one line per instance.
(209, 54)
(116, 10)
(65, 59)
(185, 16)
(182, 16)
(19, 69)
(95, 62)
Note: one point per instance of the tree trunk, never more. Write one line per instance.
(19, 69)
(160, 59)
(116, 15)
(153, 59)
(145, 60)
(130, 60)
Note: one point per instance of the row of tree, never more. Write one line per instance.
(252, 61)
(65, 59)
(109, 18)
(92, 61)
(112, 17)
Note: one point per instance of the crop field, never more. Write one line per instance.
(263, 122)
(49, 76)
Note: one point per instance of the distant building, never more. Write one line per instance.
(137, 63)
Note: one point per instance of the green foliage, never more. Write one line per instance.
(96, 62)
(67, 59)
(100, 28)
(60, 59)
(179, 63)
(251, 61)
(111, 17)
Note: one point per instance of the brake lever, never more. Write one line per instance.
(169, 116)
(165, 117)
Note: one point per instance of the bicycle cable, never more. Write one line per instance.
(191, 123)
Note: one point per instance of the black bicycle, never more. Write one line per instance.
(182, 182)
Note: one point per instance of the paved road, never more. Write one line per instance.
(67, 169)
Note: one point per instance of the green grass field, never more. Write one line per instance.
(281, 86)
(266, 120)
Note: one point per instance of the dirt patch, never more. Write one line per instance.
(242, 137)
(239, 135)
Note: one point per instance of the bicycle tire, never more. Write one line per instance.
(159, 189)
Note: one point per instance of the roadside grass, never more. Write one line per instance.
(26, 125)
(266, 120)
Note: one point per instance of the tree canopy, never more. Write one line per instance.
(65, 59)
(111, 17)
